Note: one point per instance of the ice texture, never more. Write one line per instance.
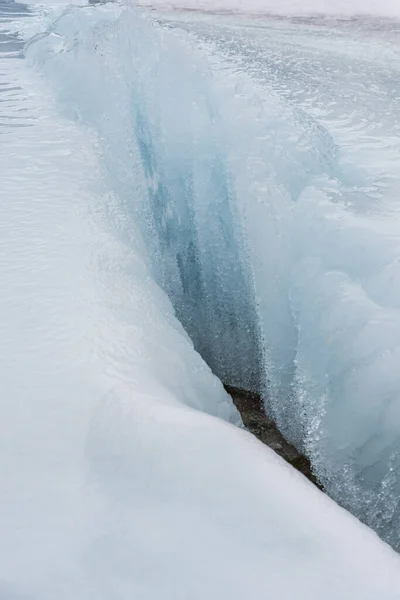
(123, 471)
(267, 165)
(322, 161)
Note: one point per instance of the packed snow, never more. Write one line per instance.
(169, 197)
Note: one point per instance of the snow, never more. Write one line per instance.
(81, 319)
(123, 471)
(384, 8)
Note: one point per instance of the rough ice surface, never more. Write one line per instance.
(167, 186)
(323, 164)
(268, 168)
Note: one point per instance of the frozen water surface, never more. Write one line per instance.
(229, 183)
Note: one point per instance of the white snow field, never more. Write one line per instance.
(155, 174)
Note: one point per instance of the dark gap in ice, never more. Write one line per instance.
(251, 408)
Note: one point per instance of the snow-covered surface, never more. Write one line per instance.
(122, 474)
(348, 8)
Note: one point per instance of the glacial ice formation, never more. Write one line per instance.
(267, 171)
(174, 195)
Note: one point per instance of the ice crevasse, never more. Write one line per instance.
(211, 206)
(273, 232)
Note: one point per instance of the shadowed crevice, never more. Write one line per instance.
(255, 420)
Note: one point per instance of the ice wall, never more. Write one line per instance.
(322, 223)
(159, 124)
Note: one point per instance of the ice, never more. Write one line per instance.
(139, 195)
(81, 319)
(267, 172)
(322, 224)
(349, 8)
(175, 160)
